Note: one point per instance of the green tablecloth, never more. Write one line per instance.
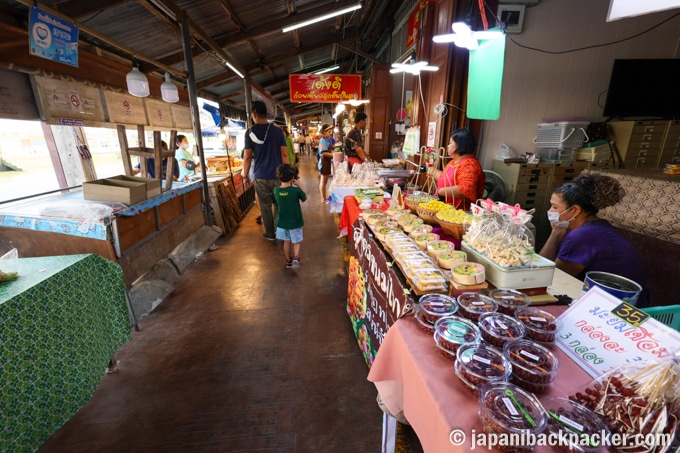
(60, 323)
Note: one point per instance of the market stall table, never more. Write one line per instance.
(350, 213)
(61, 321)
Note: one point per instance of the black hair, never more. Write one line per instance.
(163, 144)
(260, 108)
(359, 117)
(286, 172)
(325, 127)
(464, 140)
(179, 139)
(591, 191)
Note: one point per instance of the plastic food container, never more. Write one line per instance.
(509, 300)
(448, 355)
(507, 409)
(423, 239)
(411, 266)
(472, 305)
(436, 306)
(451, 258)
(568, 418)
(372, 219)
(532, 362)
(429, 279)
(382, 233)
(478, 364)
(497, 329)
(386, 224)
(409, 224)
(541, 326)
(436, 248)
(396, 211)
(452, 331)
(424, 325)
(402, 219)
(468, 273)
(420, 229)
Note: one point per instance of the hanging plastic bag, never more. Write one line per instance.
(9, 266)
(412, 140)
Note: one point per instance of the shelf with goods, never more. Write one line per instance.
(647, 143)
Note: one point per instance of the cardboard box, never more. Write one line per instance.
(153, 186)
(127, 192)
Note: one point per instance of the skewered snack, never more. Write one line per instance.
(478, 364)
(452, 331)
(534, 367)
(471, 305)
(567, 418)
(424, 325)
(436, 306)
(497, 328)
(509, 300)
(541, 326)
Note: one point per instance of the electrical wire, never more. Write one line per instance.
(442, 110)
(594, 46)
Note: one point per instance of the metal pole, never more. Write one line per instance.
(195, 115)
(249, 102)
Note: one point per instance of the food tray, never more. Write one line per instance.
(539, 274)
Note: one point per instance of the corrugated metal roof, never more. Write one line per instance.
(248, 31)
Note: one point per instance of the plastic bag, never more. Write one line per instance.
(503, 241)
(9, 266)
(505, 152)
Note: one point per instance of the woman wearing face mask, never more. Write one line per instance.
(580, 241)
(187, 166)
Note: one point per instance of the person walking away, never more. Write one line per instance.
(187, 166)
(265, 149)
(325, 156)
(308, 143)
(289, 224)
(289, 145)
(301, 142)
(354, 144)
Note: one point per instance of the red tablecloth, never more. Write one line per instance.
(412, 377)
(350, 212)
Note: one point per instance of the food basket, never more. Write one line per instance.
(457, 230)
(428, 215)
(413, 200)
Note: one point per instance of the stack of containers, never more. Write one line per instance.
(558, 142)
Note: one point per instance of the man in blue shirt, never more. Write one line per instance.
(265, 149)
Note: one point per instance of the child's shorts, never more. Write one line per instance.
(294, 236)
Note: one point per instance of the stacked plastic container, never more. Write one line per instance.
(558, 142)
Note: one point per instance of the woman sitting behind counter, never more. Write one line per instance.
(462, 181)
(187, 166)
(580, 241)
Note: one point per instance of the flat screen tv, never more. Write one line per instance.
(644, 88)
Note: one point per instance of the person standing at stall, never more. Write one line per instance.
(354, 144)
(265, 149)
(289, 145)
(462, 181)
(187, 165)
(289, 223)
(580, 241)
(325, 160)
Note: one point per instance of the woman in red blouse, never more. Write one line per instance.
(462, 181)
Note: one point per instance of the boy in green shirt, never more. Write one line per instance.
(289, 223)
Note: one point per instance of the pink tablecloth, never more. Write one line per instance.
(412, 377)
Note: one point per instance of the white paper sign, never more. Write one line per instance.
(431, 133)
(598, 341)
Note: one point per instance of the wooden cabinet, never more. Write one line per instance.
(647, 144)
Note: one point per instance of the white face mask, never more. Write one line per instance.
(184, 145)
(554, 219)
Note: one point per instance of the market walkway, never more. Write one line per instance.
(244, 356)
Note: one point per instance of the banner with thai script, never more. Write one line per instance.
(376, 295)
(324, 87)
(414, 21)
(600, 332)
(52, 38)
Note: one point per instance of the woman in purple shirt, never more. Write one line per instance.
(580, 241)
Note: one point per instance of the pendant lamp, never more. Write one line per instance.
(169, 91)
(137, 83)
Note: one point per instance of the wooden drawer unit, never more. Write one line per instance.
(670, 154)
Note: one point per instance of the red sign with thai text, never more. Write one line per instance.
(324, 87)
(414, 20)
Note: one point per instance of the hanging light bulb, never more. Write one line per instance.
(169, 91)
(463, 36)
(137, 83)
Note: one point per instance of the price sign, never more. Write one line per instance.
(630, 314)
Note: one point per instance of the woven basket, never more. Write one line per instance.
(413, 204)
(428, 215)
(457, 230)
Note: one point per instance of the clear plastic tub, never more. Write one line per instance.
(406, 218)
(423, 239)
(429, 280)
(436, 306)
(472, 305)
(409, 224)
(411, 266)
(532, 362)
(498, 329)
(399, 239)
(480, 364)
(396, 211)
(436, 248)
(372, 219)
(569, 419)
(507, 409)
(382, 233)
(448, 355)
(541, 326)
(424, 325)
(386, 224)
(420, 229)
(451, 258)
(453, 331)
(509, 300)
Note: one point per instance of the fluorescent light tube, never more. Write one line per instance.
(235, 70)
(320, 18)
(323, 71)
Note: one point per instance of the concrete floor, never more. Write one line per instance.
(244, 356)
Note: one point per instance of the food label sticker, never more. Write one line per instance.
(570, 423)
(502, 325)
(538, 319)
(533, 357)
(510, 406)
(455, 329)
(478, 303)
(507, 297)
(481, 359)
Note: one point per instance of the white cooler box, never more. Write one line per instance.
(538, 275)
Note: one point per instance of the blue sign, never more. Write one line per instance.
(52, 38)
